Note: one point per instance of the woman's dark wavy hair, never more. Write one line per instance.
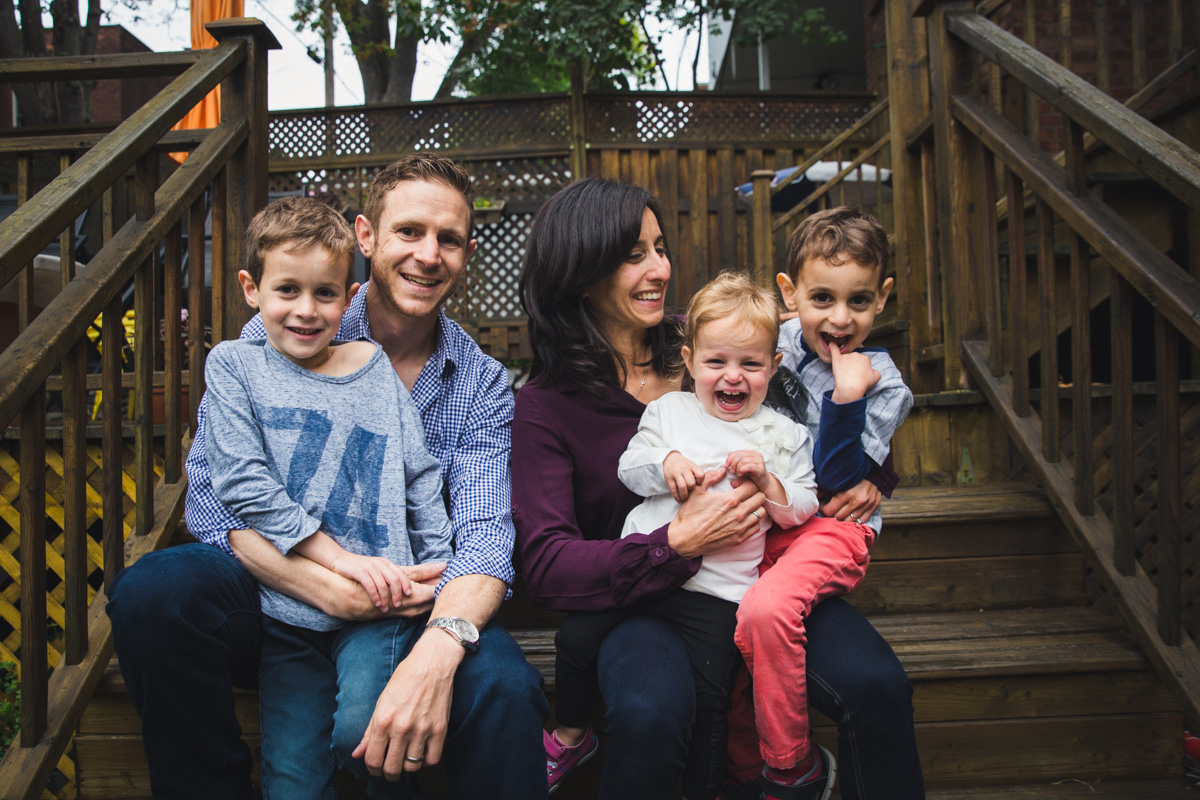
(582, 235)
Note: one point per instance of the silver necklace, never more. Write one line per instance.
(642, 385)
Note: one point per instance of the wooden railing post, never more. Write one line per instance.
(953, 70)
(578, 112)
(244, 96)
(908, 87)
(764, 245)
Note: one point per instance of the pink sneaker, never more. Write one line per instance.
(561, 759)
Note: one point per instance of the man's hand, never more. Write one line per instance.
(859, 502)
(681, 474)
(413, 712)
(408, 728)
(853, 375)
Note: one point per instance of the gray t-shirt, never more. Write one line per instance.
(292, 451)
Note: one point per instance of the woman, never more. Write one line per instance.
(593, 285)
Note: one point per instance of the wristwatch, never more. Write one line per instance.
(461, 629)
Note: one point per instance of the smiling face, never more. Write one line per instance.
(837, 303)
(732, 364)
(302, 295)
(419, 249)
(630, 299)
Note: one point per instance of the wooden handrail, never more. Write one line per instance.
(789, 215)
(1161, 156)
(28, 361)
(1175, 293)
(52, 209)
(96, 67)
(82, 142)
(833, 145)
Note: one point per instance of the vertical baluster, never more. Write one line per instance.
(143, 355)
(1170, 505)
(1121, 306)
(1066, 52)
(196, 316)
(1174, 30)
(1048, 322)
(1103, 49)
(933, 280)
(74, 429)
(112, 336)
(1017, 324)
(25, 278)
(1138, 28)
(34, 667)
(841, 185)
(218, 255)
(172, 353)
(764, 256)
(991, 260)
(1032, 101)
(1081, 329)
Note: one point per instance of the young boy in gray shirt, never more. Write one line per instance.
(317, 445)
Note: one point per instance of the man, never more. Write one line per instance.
(186, 619)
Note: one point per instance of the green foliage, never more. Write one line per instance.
(767, 19)
(10, 704)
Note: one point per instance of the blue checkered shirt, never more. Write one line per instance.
(466, 408)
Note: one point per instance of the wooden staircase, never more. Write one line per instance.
(1021, 689)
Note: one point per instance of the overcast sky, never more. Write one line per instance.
(296, 81)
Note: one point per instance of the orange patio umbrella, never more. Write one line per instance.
(207, 112)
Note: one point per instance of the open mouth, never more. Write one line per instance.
(832, 341)
(731, 401)
(305, 331)
(424, 283)
(648, 297)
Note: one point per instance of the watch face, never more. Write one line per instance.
(465, 628)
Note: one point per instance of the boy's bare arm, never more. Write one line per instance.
(305, 580)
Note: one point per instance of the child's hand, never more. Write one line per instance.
(385, 583)
(748, 465)
(681, 474)
(853, 375)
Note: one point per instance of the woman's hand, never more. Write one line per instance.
(711, 521)
(859, 502)
(385, 582)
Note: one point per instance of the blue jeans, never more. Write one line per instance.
(186, 626)
(854, 678)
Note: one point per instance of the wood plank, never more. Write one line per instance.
(1047, 311)
(1085, 748)
(97, 67)
(1121, 426)
(1017, 270)
(112, 338)
(1071, 788)
(726, 211)
(33, 571)
(975, 539)
(698, 218)
(1081, 331)
(172, 352)
(1170, 496)
(959, 584)
(668, 197)
(911, 505)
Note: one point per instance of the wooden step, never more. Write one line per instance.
(1068, 788)
(1050, 693)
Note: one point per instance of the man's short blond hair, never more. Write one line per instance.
(295, 224)
(838, 235)
(733, 295)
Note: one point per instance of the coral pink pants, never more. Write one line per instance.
(801, 567)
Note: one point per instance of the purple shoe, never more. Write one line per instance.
(561, 759)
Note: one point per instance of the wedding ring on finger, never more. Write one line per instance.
(757, 515)
(856, 519)
(412, 760)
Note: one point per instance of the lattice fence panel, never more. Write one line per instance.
(520, 180)
(387, 131)
(666, 118)
(10, 570)
(1144, 478)
(493, 273)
